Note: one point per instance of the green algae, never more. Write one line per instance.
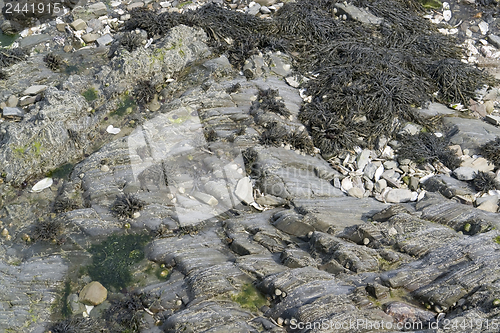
(112, 259)
(250, 298)
(90, 94)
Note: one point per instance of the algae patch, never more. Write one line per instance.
(250, 298)
(112, 259)
(90, 94)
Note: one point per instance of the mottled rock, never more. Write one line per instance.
(93, 293)
(465, 173)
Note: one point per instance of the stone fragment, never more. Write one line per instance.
(356, 192)
(495, 120)
(266, 3)
(135, 5)
(9, 112)
(89, 38)
(12, 101)
(205, 198)
(489, 206)
(358, 14)
(79, 24)
(27, 100)
(93, 293)
(33, 90)
(479, 164)
(380, 185)
(398, 195)
(413, 185)
(104, 40)
(465, 173)
(244, 190)
(99, 9)
(254, 9)
(363, 159)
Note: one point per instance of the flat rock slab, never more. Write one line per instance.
(98, 9)
(12, 112)
(34, 40)
(470, 133)
(104, 40)
(33, 90)
(341, 212)
(434, 109)
(79, 24)
(358, 14)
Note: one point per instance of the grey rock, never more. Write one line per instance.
(27, 100)
(104, 40)
(358, 14)
(266, 2)
(448, 186)
(388, 165)
(12, 101)
(254, 9)
(134, 5)
(369, 170)
(494, 40)
(8, 112)
(356, 192)
(33, 90)
(295, 258)
(34, 40)
(495, 120)
(488, 206)
(363, 159)
(265, 10)
(434, 109)
(398, 195)
(465, 173)
(414, 182)
(470, 133)
(380, 185)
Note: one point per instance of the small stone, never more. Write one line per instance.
(136, 215)
(105, 168)
(104, 40)
(380, 185)
(206, 198)
(494, 40)
(277, 292)
(398, 195)
(135, 5)
(79, 24)
(292, 81)
(265, 10)
(465, 173)
(392, 231)
(254, 9)
(90, 38)
(266, 3)
(99, 9)
(181, 190)
(5, 232)
(12, 101)
(12, 112)
(366, 241)
(368, 185)
(280, 321)
(370, 170)
(495, 120)
(33, 90)
(457, 149)
(244, 190)
(388, 165)
(479, 164)
(346, 184)
(27, 100)
(379, 172)
(483, 26)
(489, 206)
(363, 159)
(413, 185)
(61, 27)
(93, 293)
(68, 48)
(356, 192)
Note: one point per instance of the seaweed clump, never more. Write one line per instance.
(77, 325)
(491, 151)
(3, 75)
(125, 315)
(363, 79)
(144, 91)
(131, 41)
(485, 182)
(111, 260)
(48, 230)
(53, 61)
(427, 147)
(11, 56)
(267, 100)
(126, 205)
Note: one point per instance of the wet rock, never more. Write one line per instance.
(99, 9)
(295, 258)
(12, 101)
(406, 313)
(93, 293)
(488, 206)
(89, 38)
(470, 133)
(34, 40)
(376, 290)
